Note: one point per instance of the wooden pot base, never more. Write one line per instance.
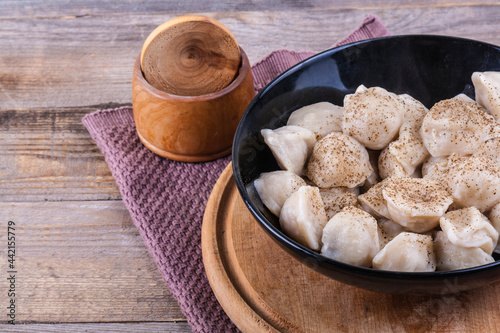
(181, 157)
(263, 289)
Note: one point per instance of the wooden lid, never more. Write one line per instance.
(190, 55)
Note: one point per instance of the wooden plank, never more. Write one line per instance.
(47, 154)
(80, 262)
(64, 8)
(37, 8)
(166, 327)
(68, 61)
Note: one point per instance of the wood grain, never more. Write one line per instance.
(190, 55)
(63, 8)
(43, 69)
(82, 261)
(143, 327)
(264, 289)
(47, 154)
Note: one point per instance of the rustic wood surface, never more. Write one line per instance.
(82, 265)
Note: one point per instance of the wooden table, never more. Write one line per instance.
(80, 262)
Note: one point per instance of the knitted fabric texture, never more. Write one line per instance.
(166, 199)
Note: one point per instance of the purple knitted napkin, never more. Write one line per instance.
(167, 199)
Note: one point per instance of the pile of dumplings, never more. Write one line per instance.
(384, 182)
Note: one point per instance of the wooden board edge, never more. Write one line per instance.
(214, 258)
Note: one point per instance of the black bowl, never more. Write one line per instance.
(429, 68)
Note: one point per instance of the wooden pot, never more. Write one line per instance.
(190, 128)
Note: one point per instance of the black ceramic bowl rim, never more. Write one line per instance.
(293, 247)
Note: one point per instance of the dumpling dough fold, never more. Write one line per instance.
(487, 88)
(303, 217)
(388, 229)
(402, 157)
(407, 252)
(467, 227)
(373, 200)
(416, 203)
(275, 187)
(336, 198)
(322, 118)
(471, 181)
(290, 145)
(451, 257)
(351, 236)
(494, 217)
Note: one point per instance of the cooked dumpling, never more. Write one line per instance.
(303, 217)
(336, 198)
(373, 200)
(388, 229)
(416, 203)
(407, 252)
(490, 149)
(494, 217)
(275, 187)
(351, 236)
(464, 97)
(338, 160)
(471, 181)
(434, 167)
(361, 88)
(414, 113)
(389, 165)
(373, 117)
(487, 87)
(402, 157)
(450, 256)
(322, 118)
(467, 227)
(454, 126)
(291, 146)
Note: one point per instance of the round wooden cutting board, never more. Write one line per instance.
(263, 289)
